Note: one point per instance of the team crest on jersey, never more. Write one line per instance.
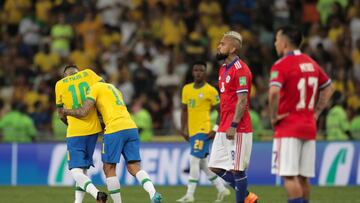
(219, 77)
(201, 95)
(228, 79)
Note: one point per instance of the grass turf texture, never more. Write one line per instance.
(267, 194)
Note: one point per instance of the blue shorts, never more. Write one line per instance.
(125, 142)
(81, 150)
(199, 145)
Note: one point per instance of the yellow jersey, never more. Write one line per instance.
(70, 93)
(110, 103)
(199, 102)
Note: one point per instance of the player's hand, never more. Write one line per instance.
(230, 133)
(316, 115)
(185, 134)
(211, 135)
(61, 112)
(275, 120)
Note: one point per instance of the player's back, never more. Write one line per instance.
(300, 78)
(199, 102)
(111, 105)
(70, 93)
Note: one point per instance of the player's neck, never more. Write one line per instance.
(198, 85)
(230, 59)
(289, 50)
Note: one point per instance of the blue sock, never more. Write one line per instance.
(296, 200)
(228, 177)
(240, 186)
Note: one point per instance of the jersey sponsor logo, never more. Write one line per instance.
(336, 164)
(307, 67)
(228, 79)
(274, 74)
(242, 81)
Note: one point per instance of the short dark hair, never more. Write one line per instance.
(293, 33)
(199, 62)
(70, 66)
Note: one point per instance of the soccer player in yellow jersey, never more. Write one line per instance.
(120, 137)
(82, 134)
(198, 99)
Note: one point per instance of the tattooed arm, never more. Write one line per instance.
(80, 112)
(239, 112)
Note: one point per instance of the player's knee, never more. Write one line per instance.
(133, 167)
(109, 169)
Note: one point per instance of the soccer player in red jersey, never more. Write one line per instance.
(232, 145)
(299, 91)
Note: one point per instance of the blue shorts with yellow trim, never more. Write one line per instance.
(199, 145)
(125, 142)
(81, 150)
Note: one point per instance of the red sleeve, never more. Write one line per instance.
(242, 81)
(276, 76)
(324, 80)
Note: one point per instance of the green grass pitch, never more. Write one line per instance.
(267, 194)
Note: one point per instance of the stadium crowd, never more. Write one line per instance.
(145, 48)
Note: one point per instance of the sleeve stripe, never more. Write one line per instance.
(327, 83)
(240, 91)
(278, 84)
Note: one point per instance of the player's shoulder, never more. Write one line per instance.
(188, 86)
(209, 87)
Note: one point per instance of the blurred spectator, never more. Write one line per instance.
(355, 125)
(142, 119)
(42, 9)
(337, 121)
(46, 61)
(281, 13)
(215, 32)
(61, 34)
(58, 127)
(241, 12)
(90, 30)
(16, 126)
(13, 12)
(355, 56)
(327, 7)
(208, 10)
(29, 30)
(83, 58)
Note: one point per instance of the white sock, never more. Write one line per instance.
(212, 176)
(79, 194)
(84, 182)
(145, 181)
(113, 186)
(194, 175)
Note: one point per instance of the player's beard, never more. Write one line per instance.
(221, 56)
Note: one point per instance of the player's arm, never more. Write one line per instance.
(274, 98)
(62, 116)
(216, 125)
(82, 111)
(323, 100)
(239, 112)
(184, 122)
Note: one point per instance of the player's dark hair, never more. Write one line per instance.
(70, 66)
(292, 33)
(202, 63)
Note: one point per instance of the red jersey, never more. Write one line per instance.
(300, 78)
(234, 78)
